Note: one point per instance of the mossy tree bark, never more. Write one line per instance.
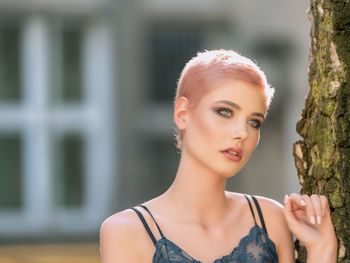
(322, 158)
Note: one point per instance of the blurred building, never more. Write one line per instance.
(86, 89)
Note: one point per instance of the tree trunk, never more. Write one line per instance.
(322, 158)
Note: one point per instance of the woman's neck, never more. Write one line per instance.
(198, 193)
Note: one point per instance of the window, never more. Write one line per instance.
(10, 64)
(69, 170)
(11, 171)
(171, 47)
(67, 62)
(56, 137)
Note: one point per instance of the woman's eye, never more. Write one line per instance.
(225, 112)
(255, 123)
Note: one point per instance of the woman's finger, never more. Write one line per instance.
(297, 200)
(309, 209)
(324, 205)
(316, 203)
(289, 215)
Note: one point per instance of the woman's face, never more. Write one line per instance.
(223, 129)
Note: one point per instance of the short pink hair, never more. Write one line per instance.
(194, 81)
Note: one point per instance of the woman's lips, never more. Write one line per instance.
(231, 157)
(233, 154)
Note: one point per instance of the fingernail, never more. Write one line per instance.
(312, 220)
(318, 220)
(302, 202)
(285, 199)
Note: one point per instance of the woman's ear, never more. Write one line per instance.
(180, 113)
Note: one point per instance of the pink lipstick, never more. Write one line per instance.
(233, 153)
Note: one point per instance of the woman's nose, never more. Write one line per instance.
(240, 131)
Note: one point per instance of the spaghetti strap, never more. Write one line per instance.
(260, 213)
(160, 231)
(145, 225)
(251, 208)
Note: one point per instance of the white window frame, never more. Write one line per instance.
(34, 119)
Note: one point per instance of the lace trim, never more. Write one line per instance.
(255, 247)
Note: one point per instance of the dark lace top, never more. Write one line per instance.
(255, 247)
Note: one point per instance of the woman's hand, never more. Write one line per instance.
(309, 220)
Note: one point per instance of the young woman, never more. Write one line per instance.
(221, 102)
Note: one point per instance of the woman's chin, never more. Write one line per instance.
(228, 173)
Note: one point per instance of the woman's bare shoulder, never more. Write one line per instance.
(269, 206)
(121, 223)
(277, 227)
(122, 238)
(272, 211)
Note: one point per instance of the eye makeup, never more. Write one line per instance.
(228, 113)
(224, 112)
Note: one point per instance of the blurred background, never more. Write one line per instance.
(86, 89)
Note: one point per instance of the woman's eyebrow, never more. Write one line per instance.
(230, 103)
(259, 115)
(236, 106)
